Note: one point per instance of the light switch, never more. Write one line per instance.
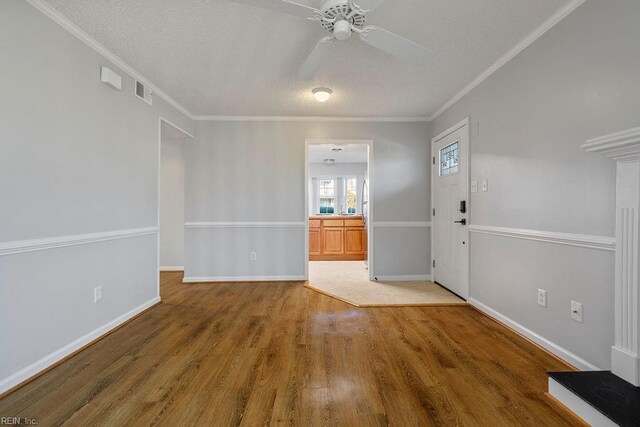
(474, 186)
(485, 185)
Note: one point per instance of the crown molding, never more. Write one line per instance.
(535, 35)
(72, 28)
(214, 118)
(624, 145)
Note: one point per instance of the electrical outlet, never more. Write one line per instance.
(97, 294)
(576, 311)
(474, 186)
(253, 256)
(485, 185)
(542, 298)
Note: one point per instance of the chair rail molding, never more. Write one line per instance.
(624, 148)
(239, 224)
(20, 246)
(581, 240)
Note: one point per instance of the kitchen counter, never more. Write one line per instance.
(337, 238)
(331, 216)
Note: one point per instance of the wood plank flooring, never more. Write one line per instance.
(258, 354)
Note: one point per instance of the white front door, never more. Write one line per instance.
(450, 204)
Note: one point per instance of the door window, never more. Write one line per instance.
(449, 159)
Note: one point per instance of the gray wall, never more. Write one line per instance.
(578, 81)
(77, 157)
(262, 167)
(172, 203)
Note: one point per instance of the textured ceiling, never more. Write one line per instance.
(351, 153)
(216, 57)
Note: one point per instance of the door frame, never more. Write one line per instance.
(370, 156)
(188, 135)
(434, 171)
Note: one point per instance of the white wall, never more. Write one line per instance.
(343, 170)
(263, 167)
(79, 184)
(172, 203)
(578, 81)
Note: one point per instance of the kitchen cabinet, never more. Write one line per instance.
(336, 238)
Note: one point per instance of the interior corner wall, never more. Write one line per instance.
(261, 208)
(528, 120)
(79, 184)
(172, 203)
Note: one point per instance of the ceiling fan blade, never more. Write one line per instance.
(316, 58)
(365, 5)
(396, 45)
(284, 6)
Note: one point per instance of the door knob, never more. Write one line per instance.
(463, 221)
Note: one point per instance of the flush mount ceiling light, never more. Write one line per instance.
(329, 161)
(321, 94)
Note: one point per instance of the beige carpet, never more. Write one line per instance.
(349, 281)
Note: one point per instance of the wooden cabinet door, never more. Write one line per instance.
(353, 241)
(332, 241)
(315, 247)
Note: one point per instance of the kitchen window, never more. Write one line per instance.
(351, 195)
(327, 196)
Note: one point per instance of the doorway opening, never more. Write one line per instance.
(171, 185)
(338, 206)
(450, 203)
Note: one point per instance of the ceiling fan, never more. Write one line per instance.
(342, 18)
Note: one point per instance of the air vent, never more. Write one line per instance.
(142, 92)
(329, 161)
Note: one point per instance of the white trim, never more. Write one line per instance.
(575, 404)
(171, 268)
(61, 20)
(52, 358)
(243, 279)
(405, 278)
(581, 240)
(307, 119)
(621, 146)
(159, 178)
(402, 224)
(238, 224)
(170, 123)
(464, 122)
(369, 226)
(536, 34)
(20, 246)
(562, 353)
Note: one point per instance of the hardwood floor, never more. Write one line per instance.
(255, 354)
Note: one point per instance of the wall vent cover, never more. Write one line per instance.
(142, 92)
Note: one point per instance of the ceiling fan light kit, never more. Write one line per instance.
(341, 18)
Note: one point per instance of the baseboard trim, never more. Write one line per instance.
(244, 279)
(579, 407)
(405, 278)
(556, 350)
(34, 370)
(171, 268)
(20, 246)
